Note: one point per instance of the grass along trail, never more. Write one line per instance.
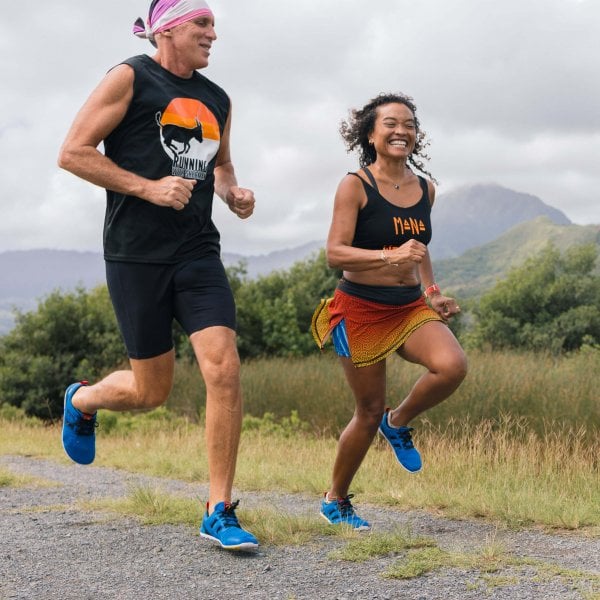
(501, 472)
(97, 532)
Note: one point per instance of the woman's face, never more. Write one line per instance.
(395, 131)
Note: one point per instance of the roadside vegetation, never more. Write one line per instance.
(516, 470)
(517, 444)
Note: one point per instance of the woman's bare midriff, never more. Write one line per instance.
(389, 275)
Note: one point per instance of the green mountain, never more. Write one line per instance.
(473, 215)
(478, 269)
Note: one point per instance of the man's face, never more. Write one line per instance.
(193, 40)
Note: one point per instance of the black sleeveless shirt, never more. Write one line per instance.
(173, 127)
(381, 224)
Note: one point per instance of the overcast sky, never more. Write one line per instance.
(508, 92)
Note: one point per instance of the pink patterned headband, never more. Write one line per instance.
(169, 13)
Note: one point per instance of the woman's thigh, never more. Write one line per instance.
(434, 346)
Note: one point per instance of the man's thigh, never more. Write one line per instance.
(142, 299)
(203, 297)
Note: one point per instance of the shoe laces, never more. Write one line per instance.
(84, 426)
(406, 438)
(345, 506)
(227, 516)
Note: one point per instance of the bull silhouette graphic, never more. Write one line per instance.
(175, 136)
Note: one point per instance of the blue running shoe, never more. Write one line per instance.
(341, 511)
(223, 528)
(401, 442)
(79, 430)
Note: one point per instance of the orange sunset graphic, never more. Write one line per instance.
(190, 135)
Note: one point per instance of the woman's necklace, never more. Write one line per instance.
(396, 186)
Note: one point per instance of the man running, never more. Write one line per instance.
(166, 130)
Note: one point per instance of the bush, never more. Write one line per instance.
(70, 337)
(269, 425)
(551, 303)
(274, 312)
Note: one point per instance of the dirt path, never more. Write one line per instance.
(51, 549)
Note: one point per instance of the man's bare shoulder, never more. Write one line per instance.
(116, 85)
(122, 73)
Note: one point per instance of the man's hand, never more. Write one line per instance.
(240, 201)
(171, 192)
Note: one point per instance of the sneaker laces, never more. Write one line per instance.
(345, 506)
(406, 438)
(84, 426)
(227, 516)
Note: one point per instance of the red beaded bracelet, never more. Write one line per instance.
(432, 290)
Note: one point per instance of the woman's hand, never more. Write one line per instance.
(444, 306)
(411, 251)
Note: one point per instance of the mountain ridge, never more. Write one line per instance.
(26, 276)
(458, 224)
(481, 267)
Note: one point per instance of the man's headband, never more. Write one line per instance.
(165, 14)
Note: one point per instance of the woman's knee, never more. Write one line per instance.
(454, 366)
(370, 413)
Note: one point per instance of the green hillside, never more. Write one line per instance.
(480, 268)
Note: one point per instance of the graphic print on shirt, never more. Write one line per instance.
(408, 227)
(190, 135)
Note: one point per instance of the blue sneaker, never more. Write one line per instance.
(341, 511)
(79, 430)
(223, 528)
(401, 442)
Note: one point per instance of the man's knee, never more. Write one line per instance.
(153, 400)
(153, 379)
(152, 396)
(222, 368)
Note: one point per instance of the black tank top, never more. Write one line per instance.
(173, 127)
(381, 224)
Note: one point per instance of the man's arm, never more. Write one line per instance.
(240, 200)
(101, 113)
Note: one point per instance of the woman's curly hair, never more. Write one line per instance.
(357, 129)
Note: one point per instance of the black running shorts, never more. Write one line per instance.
(147, 297)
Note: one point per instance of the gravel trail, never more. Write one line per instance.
(52, 549)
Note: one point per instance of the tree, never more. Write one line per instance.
(74, 336)
(274, 311)
(69, 337)
(551, 303)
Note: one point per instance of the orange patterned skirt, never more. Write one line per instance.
(374, 330)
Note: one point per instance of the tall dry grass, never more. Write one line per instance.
(517, 444)
(501, 471)
(548, 392)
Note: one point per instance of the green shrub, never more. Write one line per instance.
(268, 424)
(550, 304)
(69, 337)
